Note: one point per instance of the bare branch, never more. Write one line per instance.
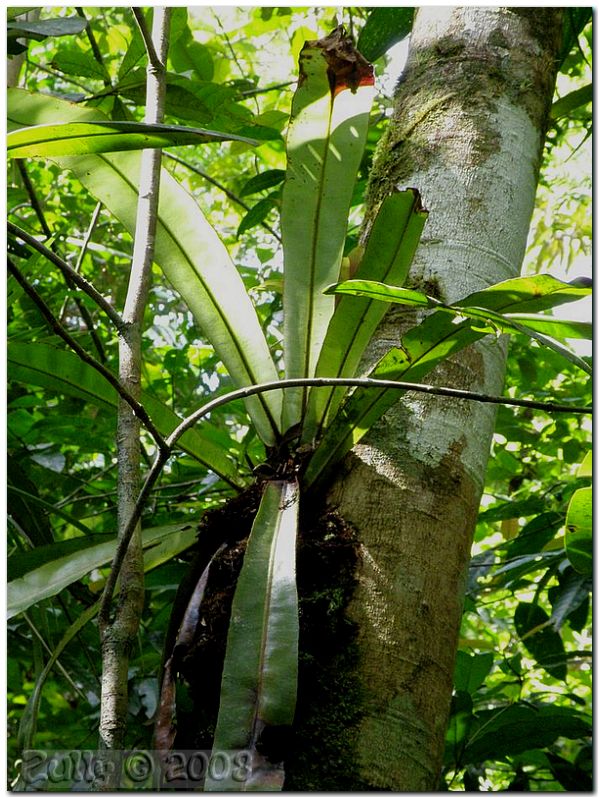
(93, 43)
(155, 60)
(118, 635)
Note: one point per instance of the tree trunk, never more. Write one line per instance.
(468, 132)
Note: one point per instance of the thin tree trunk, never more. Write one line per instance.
(119, 635)
(468, 132)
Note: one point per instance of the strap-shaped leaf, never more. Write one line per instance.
(553, 326)
(259, 682)
(47, 580)
(422, 348)
(43, 365)
(187, 248)
(387, 258)
(509, 323)
(527, 294)
(82, 138)
(325, 142)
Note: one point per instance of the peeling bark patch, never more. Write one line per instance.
(446, 478)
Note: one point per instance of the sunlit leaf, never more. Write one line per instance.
(554, 327)
(384, 27)
(571, 101)
(81, 138)
(586, 467)
(432, 341)
(325, 142)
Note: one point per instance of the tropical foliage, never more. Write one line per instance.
(256, 233)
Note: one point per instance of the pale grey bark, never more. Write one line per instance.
(467, 131)
(119, 635)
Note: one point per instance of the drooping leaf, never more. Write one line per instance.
(257, 214)
(507, 731)
(259, 684)
(388, 255)
(187, 248)
(384, 27)
(554, 327)
(325, 142)
(82, 138)
(460, 721)
(534, 326)
(40, 30)
(165, 726)
(540, 639)
(579, 531)
(64, 372)
(573, 590)
(422, 348)
(263, 181)
(571, 101)
(471, 670)
(57, 573)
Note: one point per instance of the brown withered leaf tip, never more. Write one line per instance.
(347, 68)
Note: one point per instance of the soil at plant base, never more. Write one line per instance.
(329, 700)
